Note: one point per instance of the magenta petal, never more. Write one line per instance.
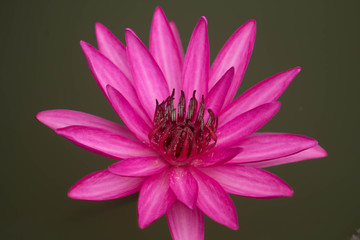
(185, 223)
(155, 199)
(266, 91)
(216, 97)
(103, 185)
(132, 120)
(113, 49)
(214, 201)
(215, 157)
(104, 142)
(148, 79)
(164, 49)
(140, 166)
(235, 53)
(106, 73)
(196, 63)
(249, 181)
(183, 185)
(60, 118)
(230, 134)
(262, 146)
(177, 39)
(311, 153)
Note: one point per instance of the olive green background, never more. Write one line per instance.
(42, 67)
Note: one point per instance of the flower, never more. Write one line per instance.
(186, 143)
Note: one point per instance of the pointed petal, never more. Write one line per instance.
(155, 199)
(184, 223)
(138, 167)
(249, 181)
(177, 39)
(230, 134)
(149, 81)
(216, 97)
(235, 53)
(184, 185)
(113, 49)
(215, 157)
(104, 142)
(196, 63)
(106, 73)
(262, 146)
(60, 118)
(266, 91)
(103, 185)
(311, 153)
(132, 120)
(164, 49)
(214, 202)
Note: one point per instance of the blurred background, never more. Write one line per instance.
(42, 67)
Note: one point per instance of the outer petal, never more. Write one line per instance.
(165, 51)
(131, 119)
(103, 185)
(216, 97)
(60, 118)
(155, 199)
(230, 134)
(148, 79)
(104, 142)
(262, 146)
(215, 157)
(311, 153)
(140, 166)
(183, 185)
(214, 201)
(184, 223)
(196, 63)
(249, 181)
(235, 53)
(266, 91)
(177, 39)
(113, 49)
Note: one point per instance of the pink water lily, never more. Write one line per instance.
(186, 143)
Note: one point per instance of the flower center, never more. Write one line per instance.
(182, 137)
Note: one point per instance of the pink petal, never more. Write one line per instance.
(262, 146)
(230, 134)
(196, 63)
(164, 49)
(177, 39)
(266, 91)
(216, 97)
(104, 142)
(148, 79)
(183, 185)
(185, 223)
(103, 185)
(235, 53)
(311, 153)
(132, 120)
(60, 118)
(214, 202)
(106, 73)
(215, 157)
(113, 49)
(249, 181)
(138, 167)
(155, 199)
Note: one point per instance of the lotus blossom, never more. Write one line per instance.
(186, 143)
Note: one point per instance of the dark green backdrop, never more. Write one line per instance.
(42, 67)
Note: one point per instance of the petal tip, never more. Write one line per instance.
(203, 20)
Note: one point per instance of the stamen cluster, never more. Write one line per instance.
(182, 137)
